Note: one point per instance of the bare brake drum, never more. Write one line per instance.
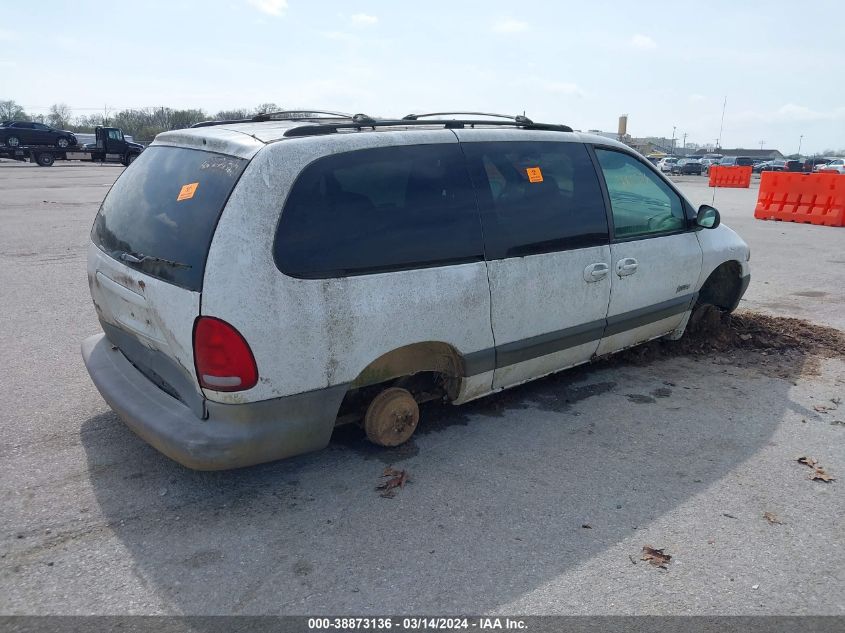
(392, 417)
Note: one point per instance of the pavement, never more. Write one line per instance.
(536, 501)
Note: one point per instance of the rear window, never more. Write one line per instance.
(160, 215)
(376, 210)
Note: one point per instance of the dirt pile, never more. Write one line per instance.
(746, 334)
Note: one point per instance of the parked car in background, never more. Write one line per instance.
(686, 166)
(837, 164)
(17, 133)
(769, 165)
(736, 161)
(665, 165)
(816, 163)
(706, 162)
(793, 165)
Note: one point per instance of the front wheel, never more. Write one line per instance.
(62, 142)
(13, 141)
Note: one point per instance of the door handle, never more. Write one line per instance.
(626, 266)
(596, 272)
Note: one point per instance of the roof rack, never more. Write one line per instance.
(281, 115)
(294, 115)
(519, 118)
(361, 121)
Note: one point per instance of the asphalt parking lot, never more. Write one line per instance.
(538, 501)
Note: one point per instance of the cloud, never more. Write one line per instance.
(270, 7)
(362, 19)
(792, 113)
(643, 42)
(696, 98)
(510, 25)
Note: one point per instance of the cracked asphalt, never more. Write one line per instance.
(683, 453)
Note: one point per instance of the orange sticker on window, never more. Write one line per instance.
(187, 191)
(534, 174)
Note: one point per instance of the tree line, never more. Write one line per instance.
(141, 123)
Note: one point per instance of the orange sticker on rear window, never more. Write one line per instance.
(534, 174)
(187, 191)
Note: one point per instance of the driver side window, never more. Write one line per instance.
(641, 202)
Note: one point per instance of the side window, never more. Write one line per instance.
(115, 135)
(536, 197)
(40, 127)
(377, 210)
(642, 203)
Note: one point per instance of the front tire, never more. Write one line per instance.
(13, 141)
(63, 142)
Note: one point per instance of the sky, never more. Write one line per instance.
(666, 65)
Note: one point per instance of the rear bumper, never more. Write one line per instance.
(232, 436)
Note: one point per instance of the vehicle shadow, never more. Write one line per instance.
(500, 491)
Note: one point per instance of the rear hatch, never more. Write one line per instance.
(146, 263)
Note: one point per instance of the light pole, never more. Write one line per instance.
(800, 138)
(673, 139)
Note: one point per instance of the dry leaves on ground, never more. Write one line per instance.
(397, 479)
(655, 556)
(819, 473)
(772, 518)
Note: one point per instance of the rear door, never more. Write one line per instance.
(146, 263)
(655, 256)
(546, 244)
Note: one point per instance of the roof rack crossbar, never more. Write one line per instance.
(329, 128)
(519, 118)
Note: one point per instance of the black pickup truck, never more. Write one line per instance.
(110, 147)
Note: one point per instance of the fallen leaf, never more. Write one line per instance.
(821, 408)
(821, 475)
(807, 461)
(772, 518)
(587, 526)
(655, 557)
(398, 479)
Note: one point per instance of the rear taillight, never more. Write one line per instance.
(222, 356)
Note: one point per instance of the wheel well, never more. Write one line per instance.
(723, 287)
(430, 370)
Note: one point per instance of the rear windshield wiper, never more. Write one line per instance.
(140, 258)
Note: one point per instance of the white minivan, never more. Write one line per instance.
(259, 282)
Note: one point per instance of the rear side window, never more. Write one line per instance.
(537, 197)
(160, 215)
(376, 210)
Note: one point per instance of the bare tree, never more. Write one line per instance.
(59, 115)
(11, 111)
(267, 107)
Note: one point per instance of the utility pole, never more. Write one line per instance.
(761, 144)
(721, 125)
(800, 138)
(673, 139)
(685, 142)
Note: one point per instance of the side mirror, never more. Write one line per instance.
(708, 217)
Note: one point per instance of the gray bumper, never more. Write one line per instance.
(232, 436)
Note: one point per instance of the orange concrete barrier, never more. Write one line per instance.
(797, 197)
(724, 176)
